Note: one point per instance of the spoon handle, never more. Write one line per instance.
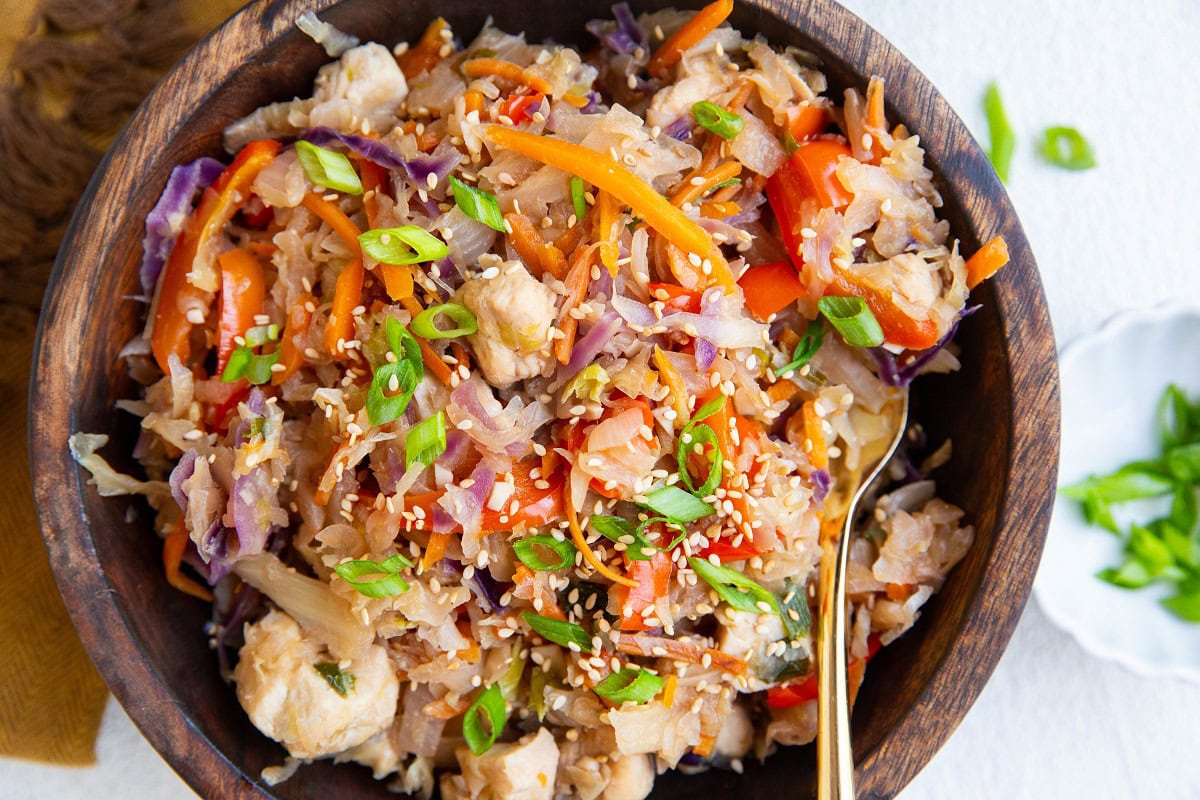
(835, 757)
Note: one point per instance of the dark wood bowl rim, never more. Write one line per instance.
(1023, 514)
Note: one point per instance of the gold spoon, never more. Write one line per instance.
(835, 759)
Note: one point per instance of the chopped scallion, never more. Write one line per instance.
(1065, 147)
(341, 682)
(630, 684)
(394, 383)
(850, 317)
(578, 199)
(425, 323)
(477, 204)
(527, 551)
(245, 363)
(407, 244)
(560, 632)
(677, 505)
(328, 168)
(715, 119)
(1000, 132)
(488, 712)
(734, 588)
(809, 344)
(426, 440)
(376, 579)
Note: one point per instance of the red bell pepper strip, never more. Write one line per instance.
(520, 107)
(677, 297)
(770, 288)
(176, 297)
(806, 121)
(793, 694)
(241, 300)
(534, 506)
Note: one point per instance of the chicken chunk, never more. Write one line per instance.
(515, 312)
(632, 778)
(282, 684)
(523, 770)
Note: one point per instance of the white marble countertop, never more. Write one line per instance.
(1053, 721)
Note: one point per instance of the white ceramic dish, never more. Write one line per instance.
(1111, 382)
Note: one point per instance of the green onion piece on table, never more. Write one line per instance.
(850, 317)
(376, 579)
(567, 634)
(1003, 138)
(477, 204)
(328, 168)
(630, 684)
(715, 119)
(484, 720)
(425, 323)
(1065, 147)
(407, 244)
(527, 551)
(426, 440)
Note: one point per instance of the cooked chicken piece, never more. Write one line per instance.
(522, 770)
(514, 311)
(281, 685)
(632, 778)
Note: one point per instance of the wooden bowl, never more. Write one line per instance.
(1002, 409)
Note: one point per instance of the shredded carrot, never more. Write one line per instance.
(689, 276)
(397, 280)
(537, 254)
(703, 23)
(705, 748)
(571, 237)
(608, 217)
(291, 350)
(426, 53)
(473, 101)
(875, 118)
(460, 354)
(412, 305)
(342, 225)
(580, 540)
(814, 432)
(781, 390)
(987, 261)
(577, 281)
(603, 172)
(173, 550)
(481, 67)
(347, 295)
(262, 249)
(738, 101)
(434, 551)
(669, 687)
(445, 709)
(674, 382)
(472, 653)
(692, 190)
(433, 362)
(715, 210)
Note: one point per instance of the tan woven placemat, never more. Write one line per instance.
(71, 72)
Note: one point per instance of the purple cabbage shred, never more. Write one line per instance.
(893, 374)
(166, 219)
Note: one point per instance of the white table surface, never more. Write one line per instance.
(1053, 722)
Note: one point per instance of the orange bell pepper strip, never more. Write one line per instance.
(806, 121)
(703, 23)
(898, 328)
(177, 297)
(652, 579)
(534, 506)
(291, 349)
(814, 167)
(987, 261)
(174, 547)
(770, 288)
(606, 174)
(241, 300)
(426, 53)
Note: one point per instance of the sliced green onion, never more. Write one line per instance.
(810, 343)
(578, 199)
(630, 684)
(510, 681)
(407, 244)
(525, 550)
(426, 440)
(1000, 132)
(794, 611)
(623, 532)
(723, 184)
(477, 204)
(489, 704)
(341, 682)
(386, 403)
(245, 363)
(425, 324)
(386, 580)
(328, 168)
(715, 119)
(704, 437)
(708, 409)
(612, 528)
(568, 634)
(850, 317)
(538, 680)
(1065, 147)
(677, 505)
(735, 588)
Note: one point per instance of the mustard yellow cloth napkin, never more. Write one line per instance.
(71, 71)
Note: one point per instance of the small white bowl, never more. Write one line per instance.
(1111, 382)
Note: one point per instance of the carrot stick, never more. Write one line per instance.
(342, 225)
(473, 101)
(347, 295)
(426, 53)
(987, 261)
(814, 431)
(875, 118)
(674, 382)
(577, 284)
(608, 215)
(603, 172)
(537, 254)
(173, 550)
(480, 67)
(291, 354)
(435, 550)
(433, 362)
(397, 278)
(699, 26)
(692, 190)
(715, 210)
